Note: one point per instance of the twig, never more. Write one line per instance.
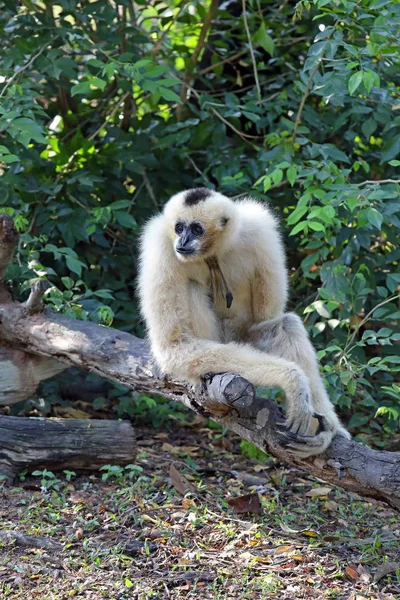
(26, 66)
(157, 45)
(378, 181)
(93, 135)
(150, 189)
(346, 349)
(303, 100)
(222, 62)
(253, 58)
(196, 168)
(244, 136)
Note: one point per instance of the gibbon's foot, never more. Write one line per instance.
(302, 422)
(304, 446)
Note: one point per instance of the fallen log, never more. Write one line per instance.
(227, 398)
(56, 444)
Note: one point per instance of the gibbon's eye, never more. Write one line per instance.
(179, 228)
(197, 229)
(224, 221)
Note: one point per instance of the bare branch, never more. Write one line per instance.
(38, 288)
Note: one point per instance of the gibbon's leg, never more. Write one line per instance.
(195, 357)
(287, 338)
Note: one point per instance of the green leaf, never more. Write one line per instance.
(351, 65)
(299, 227)
(97, 82)
(296, 215)
(125, 219)
(74, 265)
(80, 88)
(265, 40)
(368, 81)
(9, 158)
(120, 204)
(374, 217)
(277, 176)
(291, 175)
(316, 226)
(390, 149)
(354, 82)
(368, 127)
(169, 95)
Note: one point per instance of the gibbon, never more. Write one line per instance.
(213, 289)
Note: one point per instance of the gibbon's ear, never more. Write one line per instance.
(224, 221)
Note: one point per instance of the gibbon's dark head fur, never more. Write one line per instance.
(201, 223)
(196, 195)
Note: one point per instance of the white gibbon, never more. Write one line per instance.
(213, 289)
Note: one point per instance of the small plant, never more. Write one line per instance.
(48, 480)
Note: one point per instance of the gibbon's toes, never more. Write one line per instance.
(304, 445)
(301, 424)
(286, 437)
(322, 423)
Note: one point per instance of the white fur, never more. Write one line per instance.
(189, 337)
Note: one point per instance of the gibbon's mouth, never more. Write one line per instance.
(185, 251)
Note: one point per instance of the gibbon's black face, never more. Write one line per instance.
(189, 234)
(198, 223)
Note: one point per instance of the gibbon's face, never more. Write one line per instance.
(200, 220)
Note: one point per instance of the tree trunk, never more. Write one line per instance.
(227, 398)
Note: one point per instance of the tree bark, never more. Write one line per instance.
(227, 398)
(56, 444)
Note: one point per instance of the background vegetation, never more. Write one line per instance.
(108, 108)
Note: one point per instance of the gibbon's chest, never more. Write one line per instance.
(211, 317)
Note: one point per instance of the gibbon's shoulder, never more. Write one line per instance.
(154, 227)
(256, 216)
(154, 241)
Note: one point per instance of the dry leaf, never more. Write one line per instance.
(319, 491)
(297, 557)
(309, 533)
(283, 549)
(246, 556)
(262, 559)
(71, 413)
(180, 482)
(365, 575)
(352, 573)
(250, 503)
(385, 569)
(331, 505)
(188, 503)
(170, 448)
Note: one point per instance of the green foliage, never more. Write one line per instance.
(109, 108)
